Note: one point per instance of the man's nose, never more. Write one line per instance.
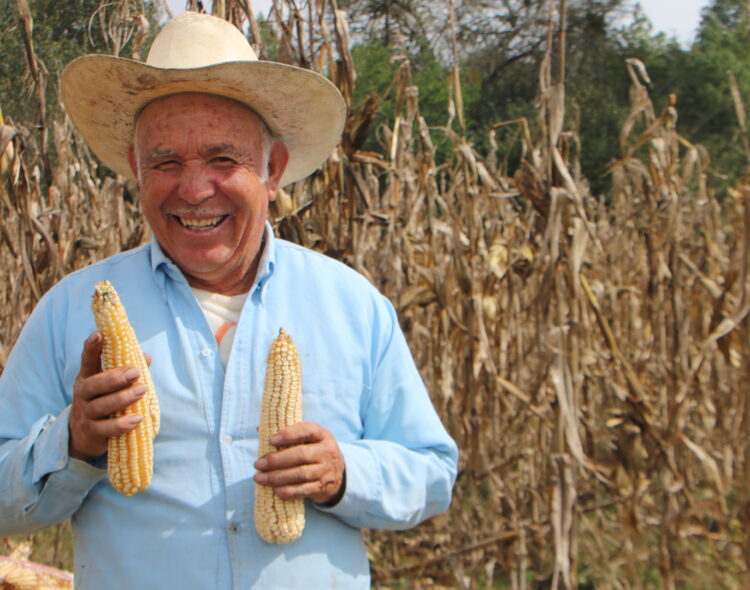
(196, 184)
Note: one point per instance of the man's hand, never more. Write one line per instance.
(96, 396)
(308, 464)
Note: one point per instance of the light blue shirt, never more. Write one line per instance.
(193, 527)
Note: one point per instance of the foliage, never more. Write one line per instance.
(708, 111)
(61, 32)
(379, 69)
(502, 55)
(393, 22)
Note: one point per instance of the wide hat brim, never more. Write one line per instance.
(103, 95)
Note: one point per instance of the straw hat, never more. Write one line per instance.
(201, 53)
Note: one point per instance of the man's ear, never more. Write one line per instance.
(132, 161)
(277, 162)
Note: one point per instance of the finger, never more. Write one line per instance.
(289, 457)
(107, 382)
(116, 426)
(91, 354)
(89, 438)
(148, 359)
(290, 477)
(310, 489)
(299, 433)
(106, 405)
(105, 429)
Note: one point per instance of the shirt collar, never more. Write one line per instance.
(163, 268)
(266, 265)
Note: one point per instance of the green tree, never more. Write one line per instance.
(707, 110)
(378, 66)
(598, 83)
(699, 76)
(390, 21)
(595, 76)
(61, 32)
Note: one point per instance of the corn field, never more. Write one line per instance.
(587, 352)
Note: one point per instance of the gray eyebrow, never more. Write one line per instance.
(219, 148)
(157, 155)
(222, 148)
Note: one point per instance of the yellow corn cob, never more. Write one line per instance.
(130, 455)
(20, 574)
(277, 520)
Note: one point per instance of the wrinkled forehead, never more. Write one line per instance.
(209, 99)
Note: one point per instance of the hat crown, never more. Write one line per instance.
(194, 40)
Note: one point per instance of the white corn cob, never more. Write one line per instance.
(130, 456)
(277, 520)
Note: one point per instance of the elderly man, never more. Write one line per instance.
(210, 133)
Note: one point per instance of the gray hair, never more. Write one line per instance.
(267, 139)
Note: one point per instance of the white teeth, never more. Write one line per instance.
(199, 224)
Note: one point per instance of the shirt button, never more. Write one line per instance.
(233, 527)
(206, 352)
(227, 439)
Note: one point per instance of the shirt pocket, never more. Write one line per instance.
(334, 403)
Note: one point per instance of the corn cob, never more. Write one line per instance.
(20, 574)
(130, 455)
(278, 520)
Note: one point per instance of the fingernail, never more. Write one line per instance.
(139, 390)
(261, 464)
(275, 439)
(135, 420)
(131, 374)
(94, 336)
(261, 478)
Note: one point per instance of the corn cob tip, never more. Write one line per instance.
(104, 293)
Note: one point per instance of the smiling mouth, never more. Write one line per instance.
(200, 224)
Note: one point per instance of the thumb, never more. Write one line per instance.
(91, 354)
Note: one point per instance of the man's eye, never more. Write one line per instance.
(223, 161)
(167, 165)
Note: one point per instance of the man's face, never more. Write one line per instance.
(199, 163)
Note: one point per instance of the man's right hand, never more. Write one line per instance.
(97, 396)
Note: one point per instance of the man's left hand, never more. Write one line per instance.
(308, 464)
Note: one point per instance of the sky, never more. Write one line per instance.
(677, 18)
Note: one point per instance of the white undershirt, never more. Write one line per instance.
(222, 313)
